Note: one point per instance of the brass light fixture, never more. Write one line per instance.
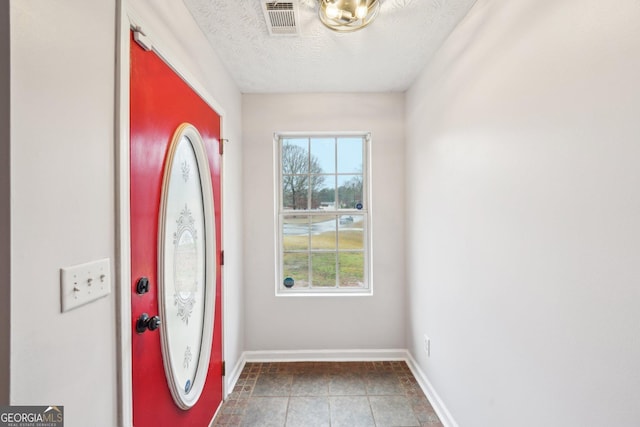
(345, 16)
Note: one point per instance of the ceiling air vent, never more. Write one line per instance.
(281, 17)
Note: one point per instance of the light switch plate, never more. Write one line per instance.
(83, 283)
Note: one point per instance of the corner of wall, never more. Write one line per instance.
(5, 205)
(434, 398)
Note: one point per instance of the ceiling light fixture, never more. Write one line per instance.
(345, 16)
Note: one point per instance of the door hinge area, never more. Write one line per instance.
(142, 39)
(221, 257)
(222, 142)
(224, 368)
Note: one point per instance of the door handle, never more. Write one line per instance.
(145, 322)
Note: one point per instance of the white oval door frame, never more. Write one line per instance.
(186, 275)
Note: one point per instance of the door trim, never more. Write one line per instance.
(128, 19)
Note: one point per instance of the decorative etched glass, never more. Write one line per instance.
(186, 281)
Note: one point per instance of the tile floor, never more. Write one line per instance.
(331, 394)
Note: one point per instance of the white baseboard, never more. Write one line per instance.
(232, 377)
(443, 413)
(324, 355)
(346, 356)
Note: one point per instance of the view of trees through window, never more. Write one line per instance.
(323, 213)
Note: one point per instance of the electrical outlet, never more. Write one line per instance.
(84, 283)
(427, 345)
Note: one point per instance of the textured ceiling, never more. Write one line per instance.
(386, 56)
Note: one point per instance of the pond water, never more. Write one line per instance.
(319, 227)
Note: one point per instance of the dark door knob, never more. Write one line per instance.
(142, 285)
(145, 322)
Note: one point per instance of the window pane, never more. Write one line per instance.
(349, 191)
(295, 191)
(351, 269)
(323, 269)
(296, 267)
(295, 170)
(350, 155)
(321, 185)
(324, 195)
(295, 156)
(323, 155)
(323, 232)
(351, 232)
(295, 232)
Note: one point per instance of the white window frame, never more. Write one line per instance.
(365, 212)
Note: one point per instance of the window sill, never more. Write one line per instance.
(315, 294)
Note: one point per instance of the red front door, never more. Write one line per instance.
(160, 101)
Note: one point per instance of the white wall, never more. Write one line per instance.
(63, 203)
(312, 323)
(523, 240)
(5, 211)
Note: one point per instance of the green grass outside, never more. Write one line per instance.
(351, 264)
(351, 239)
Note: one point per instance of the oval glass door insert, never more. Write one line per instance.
(186, 281)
